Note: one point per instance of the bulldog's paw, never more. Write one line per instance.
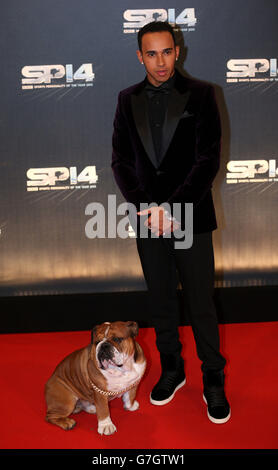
(88, 407)
(127, 404)
(64, 423)
(78, 407)
(70, 423)
(134, 406)
(106, 427)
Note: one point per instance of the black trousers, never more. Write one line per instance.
(163, 266)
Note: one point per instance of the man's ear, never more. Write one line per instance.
(133, 328)
(177, 52)
(139, 55)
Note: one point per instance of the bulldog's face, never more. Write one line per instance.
(114, 343)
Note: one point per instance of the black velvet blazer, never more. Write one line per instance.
(191, 149)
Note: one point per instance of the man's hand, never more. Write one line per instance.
(158, 221)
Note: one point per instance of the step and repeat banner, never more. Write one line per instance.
(63, 63)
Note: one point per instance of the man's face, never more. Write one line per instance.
(159, 55)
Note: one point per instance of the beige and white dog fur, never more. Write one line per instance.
(87, 379)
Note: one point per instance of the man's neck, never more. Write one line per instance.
(170, 81)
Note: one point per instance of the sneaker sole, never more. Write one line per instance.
(167, 400)
(215, 420)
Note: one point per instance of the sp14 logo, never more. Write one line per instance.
(251, 171)
(61, 178)
(252, 70)
(40, 76)
(138, 18)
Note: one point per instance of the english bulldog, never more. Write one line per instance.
(87, 379)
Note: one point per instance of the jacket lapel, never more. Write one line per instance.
(176, 107)
(139, 108)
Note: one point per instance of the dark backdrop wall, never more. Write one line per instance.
(63, 64)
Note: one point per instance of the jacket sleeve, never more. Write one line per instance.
(207, 155)
(123, 165)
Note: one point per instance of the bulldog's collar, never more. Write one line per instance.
(118, 392)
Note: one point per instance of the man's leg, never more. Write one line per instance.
(196, 270)
(161, 278)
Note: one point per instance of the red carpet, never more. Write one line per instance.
(27, 360)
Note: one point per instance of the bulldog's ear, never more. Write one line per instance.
(133, 328)
(93, 332)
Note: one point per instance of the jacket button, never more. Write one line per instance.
(160, 172)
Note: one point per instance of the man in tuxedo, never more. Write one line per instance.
(166, 149)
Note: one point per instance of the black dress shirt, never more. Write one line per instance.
(157, 107)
